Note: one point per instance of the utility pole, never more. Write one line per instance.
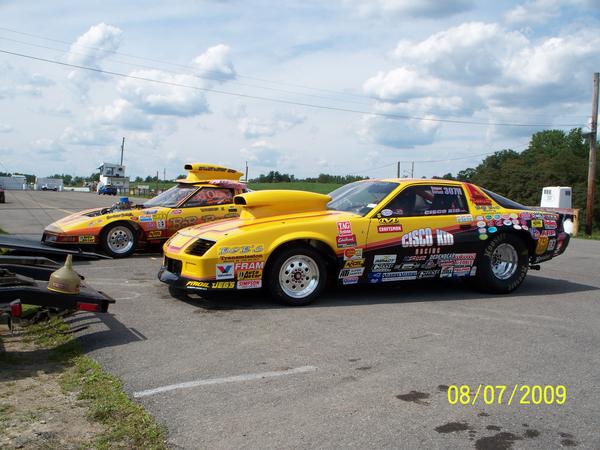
(589, 211)
(122, 149)
(412, 170)
(246, 171)
(157, 180)
(398, 170)
(164, 174)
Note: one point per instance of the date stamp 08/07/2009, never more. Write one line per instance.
(522, 394)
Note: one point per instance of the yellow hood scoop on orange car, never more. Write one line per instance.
(278, 202)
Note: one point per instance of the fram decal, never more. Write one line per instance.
(344, 228)
(249, 265)
(224, 271)
(389, 228)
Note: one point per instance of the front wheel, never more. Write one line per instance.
(503, 265)
(296, 276)
(118, 240)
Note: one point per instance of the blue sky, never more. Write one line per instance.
(458, 68)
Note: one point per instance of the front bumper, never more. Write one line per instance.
(51, 238)
(191, 285)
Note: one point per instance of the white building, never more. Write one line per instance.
(113, 175)
(16, 182)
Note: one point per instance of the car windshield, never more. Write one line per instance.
(360, 197)
(171, 197)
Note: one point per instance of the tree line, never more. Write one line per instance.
(276, 177)
(553, 158)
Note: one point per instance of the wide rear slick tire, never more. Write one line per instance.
(296, 275)
(503, 264)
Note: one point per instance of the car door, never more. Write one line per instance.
(207, 204)
(425, 231)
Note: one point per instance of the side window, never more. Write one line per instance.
(427, 200)
(210, 196)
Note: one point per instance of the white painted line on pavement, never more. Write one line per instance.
(233, 379)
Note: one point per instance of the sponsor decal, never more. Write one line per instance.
(249, 274)
(446, 272)
(386, 212)
(353, 253)
(473, 271)
(481, 224)
(550, 224)
(537, 223)
(151, 211)
(492, 229)
(436, 190)
(145, 218)
(346, 241)
(86, 239)
(224, 271)
(161, 224)
(125, 214)
(408, 266)
(350, 280)
(428, 274)
(389, 228)
(461, 271)
(350, 264)
(483, 237)
(389, 220)
(467, 218)
(198, 285)
(249, 265)
(222, 285)
(507, 222)
(399, 276)
(344, 228)
(551, 244)
(482, 231)
(535, 234)
(549, 233)
(356, 272)
(543, 258)
(382, 267)
(251, 249)
(542, 245)
(415, 258)
(427, 251)
(517, 227)
(176, 211)
(374, 278)
(249, 284)
(154, 234)
(377, 259)
(418, 238)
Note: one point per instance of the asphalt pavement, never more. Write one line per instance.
(360, 368)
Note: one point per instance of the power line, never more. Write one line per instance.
(276, 100)
(218, 76)
(191, 72)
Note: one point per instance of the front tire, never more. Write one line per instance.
(503, 265)
(118, 240)
(296, 276)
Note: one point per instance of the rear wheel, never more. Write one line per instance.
(118, 240)
(503, 264)
(296, 276)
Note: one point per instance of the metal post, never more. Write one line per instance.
(246, 172)
(398, 170)
(122, 149)
(589, 211)
(412, 170)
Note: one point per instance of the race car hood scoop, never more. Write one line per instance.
(279, 202)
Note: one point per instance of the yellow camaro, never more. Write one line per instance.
(370, 231)
(205, 195)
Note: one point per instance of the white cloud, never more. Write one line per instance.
(265, 155)
(5, 128)
(88, 136)
(216, 62)
(16, 81)
(122, 114)
(48, 147)
(254, 127)
(535, 12)
(412, 8)
(90, 50)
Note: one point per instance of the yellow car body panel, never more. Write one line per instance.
(363, 247)
(158, 223)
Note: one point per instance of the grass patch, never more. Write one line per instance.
(321, 188)
(594, 236)
(127, 424)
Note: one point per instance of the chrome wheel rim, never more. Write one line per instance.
(299, 276)
(505, 261)
(120, 239)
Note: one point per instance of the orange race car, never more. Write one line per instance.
(205, 195)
